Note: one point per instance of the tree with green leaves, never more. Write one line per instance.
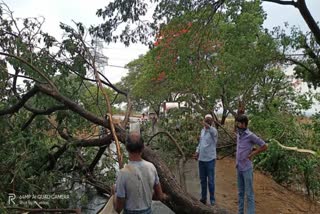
(49, 110)
(229, 60)
(144, 86)
(120, 12)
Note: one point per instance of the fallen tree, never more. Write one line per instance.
(180, 201)
(51, 108)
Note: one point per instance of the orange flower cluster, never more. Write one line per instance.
(160, 77)
(168, 52)
(171, 34)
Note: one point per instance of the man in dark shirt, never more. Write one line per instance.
(245, 142)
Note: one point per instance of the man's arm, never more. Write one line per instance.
(262, 146)
(214, 133)
(158, 195)
(204, 124)
(118, 203)
(119, 193)
(258, 151)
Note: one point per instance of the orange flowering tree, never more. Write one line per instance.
(216, 64)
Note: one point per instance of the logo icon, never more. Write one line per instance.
(11, 198)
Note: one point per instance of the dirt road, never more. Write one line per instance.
(270, 197)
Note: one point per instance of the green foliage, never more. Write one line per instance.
(184, 127)
(223, 61)
(201, 58)
(278, 163)
(289, 167)
(122, 13)
(142, 87)
(306, 53)
(23, 156)
(315, 126)
(94, 101)
(29, 136)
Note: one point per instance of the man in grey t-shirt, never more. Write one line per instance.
(138, 182)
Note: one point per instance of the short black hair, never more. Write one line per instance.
(134, 143)
(243, 119)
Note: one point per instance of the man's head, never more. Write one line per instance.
(242, 121)
(208, 119)
(134, 143)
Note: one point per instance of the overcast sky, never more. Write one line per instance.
(56, 11)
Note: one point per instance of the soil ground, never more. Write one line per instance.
(270, 197)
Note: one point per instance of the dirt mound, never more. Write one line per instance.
(270, 197)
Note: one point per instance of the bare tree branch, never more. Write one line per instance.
(312, 24)
(40, 112)
(101, 187)
(97, 158)
(45, 111)
(25, 77)
(73, 106)
(96, 142)
(305, 13)
(21, 103)
(292, 3)
(28, 122)
(300, 64)
(105, 141)
(295, 148)
(172, 140)
(52, 158)
(107, 99)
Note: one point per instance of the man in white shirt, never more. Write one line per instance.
(138, 182)
(206, 155)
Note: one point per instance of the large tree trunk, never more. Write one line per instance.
(180, 201)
